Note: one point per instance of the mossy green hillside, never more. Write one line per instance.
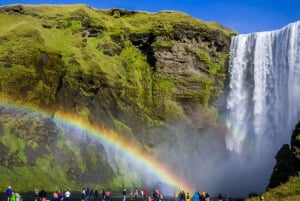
(101, 65)
(36, 150)
(47, 42)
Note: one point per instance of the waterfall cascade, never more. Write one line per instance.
(264, 99)
(263, 103)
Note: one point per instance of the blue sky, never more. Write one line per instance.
(244, 16)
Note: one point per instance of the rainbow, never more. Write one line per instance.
(107, 136)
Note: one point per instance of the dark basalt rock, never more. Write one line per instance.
(287, 161)
(295, 148)
(19, 9)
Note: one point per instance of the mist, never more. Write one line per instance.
(205, 162)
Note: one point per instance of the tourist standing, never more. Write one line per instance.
(107, 195)
(55, 197)
(8, 193)
(18, 197)
(67, 195)
(13, 196)
(188, 198)
(136, 194)
(196, 197)
(36, 194)
(43, 195)
(220, 197)
(96, 194)
(83, 194)
(124, 195)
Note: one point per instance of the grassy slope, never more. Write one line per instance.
(289, 191)
(57, 31)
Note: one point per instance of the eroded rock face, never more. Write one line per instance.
(287, 161)
(283, 168)
(192, 56)
(295, 148)
(15, 9)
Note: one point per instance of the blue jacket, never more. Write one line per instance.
(8, 191)
(196, 196)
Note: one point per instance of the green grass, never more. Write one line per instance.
(138, 22)
(45, 47)
(289, 191)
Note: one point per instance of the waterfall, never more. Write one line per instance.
(263, 103)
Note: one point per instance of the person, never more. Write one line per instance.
(124, 195)
(188, 198)
(136, 193)
(220, 197)
(13, 196)
(60, 194)
(155, 195)
(103, 194)
(196, 197)
(107, 195)
(145, 193)
(87, 194)
(42, 195)
(36, 194)
(91, 195)
(182, 196)
(83, 194)
(55, 197)
(160, 197)
(8, 193)
(176, 195)
(261, 197)
(131, 194)
(96, 194)
(67, 195)
(18, 197)
(207, 197)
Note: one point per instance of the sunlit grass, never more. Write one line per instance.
(289, 191)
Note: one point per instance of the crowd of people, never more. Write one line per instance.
(198, 196)
(12, 195)
(88, 194)
(39, 195)
(134, 195)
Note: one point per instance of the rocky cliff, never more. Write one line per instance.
(287, 161)
(134, 72)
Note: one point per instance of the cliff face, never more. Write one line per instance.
(287, 161)
(132, 72)
(295, 148)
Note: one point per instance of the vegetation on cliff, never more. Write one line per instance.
(134, 72)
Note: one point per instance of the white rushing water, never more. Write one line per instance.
(263, 103)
